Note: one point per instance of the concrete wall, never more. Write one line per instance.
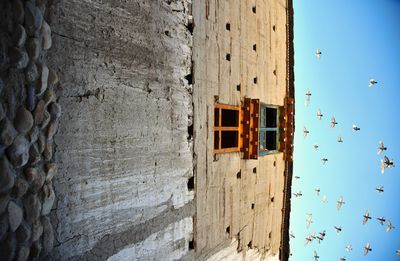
(123, 147)
(226, 223)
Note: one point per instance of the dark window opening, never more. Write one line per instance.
(190, 183)
(239, 175)
(272, 199)
(254, 47)
(216, 140)
(273, 28)
(229, 139)
(228, 229)
(238, 87)
(228, 57)
(216, 117)
(274, 163)
(274, 72)
(250, 244)
(254, 170)
(270, 118)
(270, 235)
(190, 27)
(254, 9)
(190, 132)
(230, 118)
(252, 206)
(268, 131)
(255, 80)
(191, 244)
(271, 140)
(228, 26)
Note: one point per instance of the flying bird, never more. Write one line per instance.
(381, 220)
(296, 177)
(319, 114)
(340, 202)
(342, 258)
(367, 248)
(315, 256)
(308, 220)
(398, 252)
(381, 148)
(321, 236)
(372, 82)
(291, 234)
(338, 229)
(379, 189)
(308, 98)
(305, 132)
(318, 53)
(349, 248)
(318, 191)
(333, 122)
(324, 199)
(366, 217)
(298, 194)
(315, 146)
(339, 139)
(356, 128)
(389, 226)
(386, 163)
(324, 160)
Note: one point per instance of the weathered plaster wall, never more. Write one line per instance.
(238, 202)
(124, 143)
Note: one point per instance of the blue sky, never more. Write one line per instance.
(359, 39)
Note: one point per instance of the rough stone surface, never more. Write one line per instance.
(53, 77)
(3, 226)
(33, 135)
(51, 129)
(55, 110)
(37, 230)
(2, 112)
(20, 187)
(36, 178)
(18, 152)
(8, 247)
(33, 18)
(15, 215)
(41, 85)
(18, 57)
(7, 175)
(32, 207)
(123, 152)
(31, 72)
(31, 97)
(4, 199)
(39, 112)
(51, 171)
(48, 151)
(48, 235)
(23, 233)
(18, 11)
(48, 198)
(23, 253)
(41, 142)
(46, 36)
(36, 248)
(23, 121)
(19, 36)
(34, 155)
(7, 132)
(33, 48)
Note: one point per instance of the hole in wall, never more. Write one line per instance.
(191, 244)
(250, 244)
(254, 170)
(190, 132)
(189, 78)
(190, 183)
(274, 163)
(167, 33)
(190, 27)
(228, 230)
(270, 235)
(272, 199)
(228, 57)
(274, 72)
(239, 175)
(273, 28)
(254, 47)
(252, 206)
(228, 26)
(255, 80)
(238, 87)
(254, 9)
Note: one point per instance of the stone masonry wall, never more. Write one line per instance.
(29, 116)
(124, 145)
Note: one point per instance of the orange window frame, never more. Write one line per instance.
(218, 129)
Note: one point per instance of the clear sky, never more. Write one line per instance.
(358, 39)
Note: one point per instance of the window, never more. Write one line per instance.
(226, 128)
(269, 130)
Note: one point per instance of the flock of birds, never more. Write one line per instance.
(386, 163)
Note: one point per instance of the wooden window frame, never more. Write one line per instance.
(220, 129)
(266, 129)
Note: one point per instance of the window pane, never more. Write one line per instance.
(262, 118)
(216, 140)
(262, 140)
(271, 117)
(216, 117)
(230, 118)
(271, 140)
(229, 139)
